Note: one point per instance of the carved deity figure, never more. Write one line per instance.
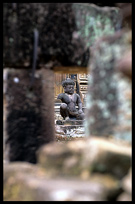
(69, 101)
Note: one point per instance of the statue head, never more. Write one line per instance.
(68, 86)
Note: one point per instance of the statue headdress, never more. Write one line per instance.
(68, 81)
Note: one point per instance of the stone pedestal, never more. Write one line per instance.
(70, 128)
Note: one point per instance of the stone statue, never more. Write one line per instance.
(69, 101)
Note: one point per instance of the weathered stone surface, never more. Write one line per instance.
(66, 30)
(47, 107)
(124, 197)
(62, 139)
(28, 124)
(91, 155)
(126, 9)
(27, 182)
(108, 156)
(70, 122)
(18, 182)
(126, 184)
(4, 113)
(70, 130)
(57, 155)
(109, 94)
(64, 172)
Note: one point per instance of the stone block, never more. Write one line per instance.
(28, 182)
(108, 156)
(108, 100)
(124, 197)
(92, 155)
(127, 182)
(69, 122)
(28, 124)
(66, 30)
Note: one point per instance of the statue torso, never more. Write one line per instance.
(70, 100)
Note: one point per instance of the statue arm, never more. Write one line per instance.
(60, 96)
(79, 103)
(80, 107)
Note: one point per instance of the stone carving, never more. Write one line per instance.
(69, 101)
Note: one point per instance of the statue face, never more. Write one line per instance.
(69, 89)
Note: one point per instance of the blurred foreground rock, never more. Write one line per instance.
(109, 94)
(109, 97)
(91, 155)
(127, 186)
(30, 184)
(85, 170)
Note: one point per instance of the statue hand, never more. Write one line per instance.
(80, 111)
